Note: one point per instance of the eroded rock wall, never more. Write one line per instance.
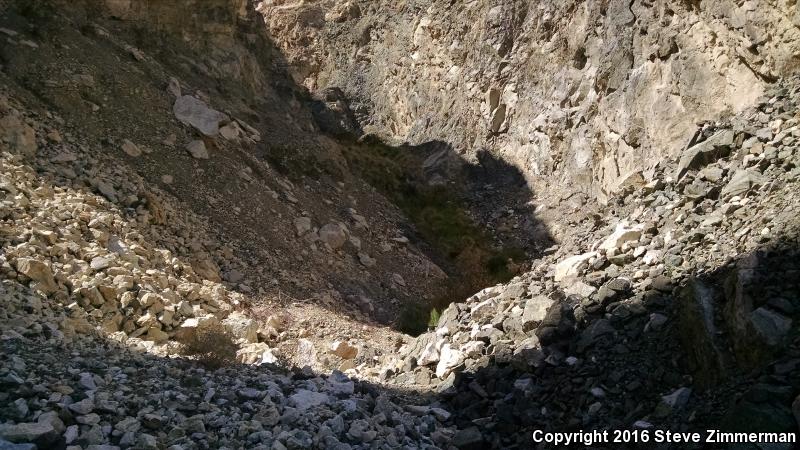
(579, 94)
(227, 32)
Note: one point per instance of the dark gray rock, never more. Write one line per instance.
(468, 439)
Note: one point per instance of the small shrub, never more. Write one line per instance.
(211, 345)
(434, 319)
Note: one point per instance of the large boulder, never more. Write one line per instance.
(6, 445)
(573, 266)
(19, 136)
(256, 353)
(241, 327)
(193, 111)
(39, 433)
(302, 225)
(39, 272)
(713, 148)
(449, 359)
(430, 353)
(773, 327)
(528, 354)
(333, 234)
(344, 350)
(189, 328)
(131, 149)
(742, 181)
(304, 399)
(205, 267)
(468, 439)
(535, 311)
(706, 351)
(622, 234)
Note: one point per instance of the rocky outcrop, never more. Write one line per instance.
(644, 321)
(588, 95)
(17, 135)
(215, 27)
(188, 259)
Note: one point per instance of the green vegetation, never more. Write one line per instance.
(211, 345)
(440, 216)
(415, 318)
(440, 219)
(438, 212)
(434, 318)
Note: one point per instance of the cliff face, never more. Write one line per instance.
(236, 49)
(585, 94)
(188, 179)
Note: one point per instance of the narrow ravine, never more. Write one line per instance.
(378, 225)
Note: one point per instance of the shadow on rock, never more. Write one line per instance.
(718, 350)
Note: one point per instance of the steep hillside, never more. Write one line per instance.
(179, 126)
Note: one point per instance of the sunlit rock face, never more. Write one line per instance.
(584, 94)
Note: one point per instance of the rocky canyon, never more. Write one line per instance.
(416, 224)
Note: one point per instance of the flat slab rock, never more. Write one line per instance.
(196, 113)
